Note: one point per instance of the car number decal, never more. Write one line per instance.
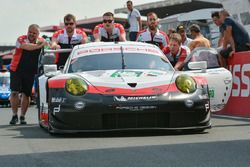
(126, 74)
(211, 92)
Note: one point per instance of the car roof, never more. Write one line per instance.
(95, 47)
(94, 44)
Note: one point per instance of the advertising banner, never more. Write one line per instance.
(239, 101)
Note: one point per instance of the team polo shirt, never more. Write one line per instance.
(65, 41)
(62, 37)
(160, 38)
(25, 61)
(106, 37)
(179, 57)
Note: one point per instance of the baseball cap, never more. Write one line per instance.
(195, 28)
(180, 27)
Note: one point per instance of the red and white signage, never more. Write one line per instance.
(239, 101)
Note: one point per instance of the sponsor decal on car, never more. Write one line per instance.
(57, 109)
(136, 108)
(135, 98)
(207, 107)
(102, 50)
(58, 100)
(211, 92)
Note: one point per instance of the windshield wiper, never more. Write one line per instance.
(123, 59)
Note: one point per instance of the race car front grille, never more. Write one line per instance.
(138, 120)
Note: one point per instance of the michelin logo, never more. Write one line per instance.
(134, 98)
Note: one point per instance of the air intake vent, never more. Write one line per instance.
(133, 85)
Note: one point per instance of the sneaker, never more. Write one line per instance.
(14, 120)
(22, 120)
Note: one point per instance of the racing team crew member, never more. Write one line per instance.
(176, 52)
(109, 31)
(23, 68)
(152, 34)
(67, 38)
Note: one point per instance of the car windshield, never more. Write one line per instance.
(4, 80)
(111, 61)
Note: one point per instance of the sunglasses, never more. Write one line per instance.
(107, 21)
(68, 24)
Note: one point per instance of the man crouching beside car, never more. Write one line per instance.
(175, 52)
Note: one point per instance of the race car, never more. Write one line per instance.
(4, 87)
(123, 86)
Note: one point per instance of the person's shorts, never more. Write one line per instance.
(226, 52)
(21, 83)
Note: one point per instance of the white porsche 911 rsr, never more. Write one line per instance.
(128, 85)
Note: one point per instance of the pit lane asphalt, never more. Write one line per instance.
(226, 144)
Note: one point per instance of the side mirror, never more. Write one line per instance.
(199, 65)
(48, 58)
(50, 70)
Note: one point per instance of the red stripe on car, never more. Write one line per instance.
(57, 83)
(143, 91)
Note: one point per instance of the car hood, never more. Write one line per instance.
(128, 79)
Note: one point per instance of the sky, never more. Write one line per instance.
(17, 15)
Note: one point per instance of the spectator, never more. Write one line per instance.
(152, 34)
(23, 69)
(198, 39)
(216, 19)
(182, 31)
(134, 20)
(236, 38)
(175, 52)
(109, 31)
(67, 38)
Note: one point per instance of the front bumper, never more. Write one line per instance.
(94, 112)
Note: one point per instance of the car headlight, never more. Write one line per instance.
(76, 86)
(185, 84)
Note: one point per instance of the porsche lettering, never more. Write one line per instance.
(136, 108)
